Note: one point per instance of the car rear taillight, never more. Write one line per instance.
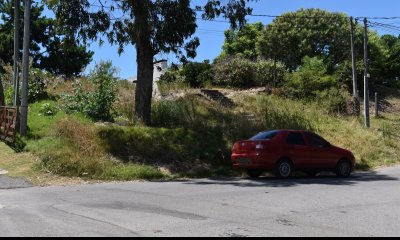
(235, 147)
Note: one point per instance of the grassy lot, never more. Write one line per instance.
(28, 166)
(191, 137)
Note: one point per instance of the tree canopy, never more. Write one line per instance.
(392, 45)
(152, 26)
(243, 41)
(51, 49)
(307, 32)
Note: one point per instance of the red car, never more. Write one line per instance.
(284, 151)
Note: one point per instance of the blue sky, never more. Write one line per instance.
(212, 37)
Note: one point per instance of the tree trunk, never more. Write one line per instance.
(144, 51)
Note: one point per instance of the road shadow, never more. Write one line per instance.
(298, 180)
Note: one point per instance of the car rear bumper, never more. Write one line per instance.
(250, 161)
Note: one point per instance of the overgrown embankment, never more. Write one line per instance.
(192, 137)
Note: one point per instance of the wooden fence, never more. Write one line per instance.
(8, 123)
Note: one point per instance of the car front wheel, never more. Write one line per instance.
(284, 169)
(343, 168)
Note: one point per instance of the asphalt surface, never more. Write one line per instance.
(366, 204)
(9, 183)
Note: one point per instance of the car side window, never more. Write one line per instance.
(316, 141)
(295, 138)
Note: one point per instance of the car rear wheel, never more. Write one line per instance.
(343, 168)
(284, 169)
(253, 173)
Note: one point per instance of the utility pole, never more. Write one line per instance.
(366, 75)
(25, 69)
(17, 4)
(353, 59)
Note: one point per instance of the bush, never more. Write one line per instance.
(234, 72)
(98, 103)
(310, 78)
(197, 74)
(48, 109)
(37, 86)
(9, 96)
(333, 100)
(265, 71)
(170, 76)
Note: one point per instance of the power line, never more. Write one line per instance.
(387, 30)
(386, 25)
(287, 15)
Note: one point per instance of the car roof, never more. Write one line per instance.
(285, 131)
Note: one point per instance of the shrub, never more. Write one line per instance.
(197, 74)
(98, 103)
(333, 100)
(37, 85)
(172, 75)
(9, 96)
(234, 72)
(48, 109)
(169, 76)
(266, 71)
(310, 78)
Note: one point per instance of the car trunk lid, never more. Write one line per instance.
(245, 147)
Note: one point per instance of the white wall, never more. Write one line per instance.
(158, 70)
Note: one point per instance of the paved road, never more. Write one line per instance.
(9, 183)
(366, 204)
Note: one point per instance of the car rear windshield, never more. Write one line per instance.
(265, 135)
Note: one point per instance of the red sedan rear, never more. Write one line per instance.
(284, 151)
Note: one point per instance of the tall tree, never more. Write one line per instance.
(307, 32)
(50, 48)
(392, 59)
(242, 42)
(152, 26)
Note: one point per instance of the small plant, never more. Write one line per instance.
(48, 109)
